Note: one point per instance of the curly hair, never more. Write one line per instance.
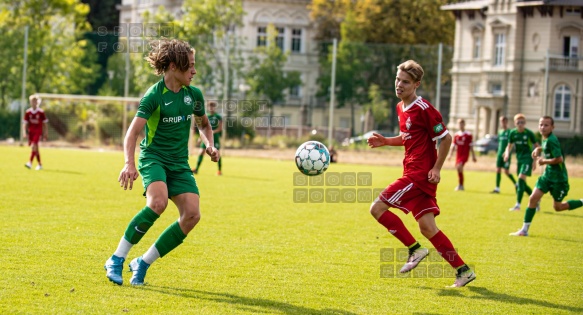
(413, 69)
(165, 51)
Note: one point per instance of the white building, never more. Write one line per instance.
(291, 19)
(517, 57)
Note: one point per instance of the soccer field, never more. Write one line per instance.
(257, 250)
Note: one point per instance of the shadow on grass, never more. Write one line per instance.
(255, 305)
(563, 214)
(61, 171)
(485, 294)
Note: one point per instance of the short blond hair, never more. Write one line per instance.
(519, 116)
(413, 69)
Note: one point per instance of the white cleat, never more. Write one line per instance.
(28, 165)
(464, 276)
(414, 259)
(519, 233)
(515, 208)
(38, 167)
(459, 188)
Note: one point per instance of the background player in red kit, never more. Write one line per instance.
(35, 127)
(462, 144)
(420, 125)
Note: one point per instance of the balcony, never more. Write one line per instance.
(564, 63)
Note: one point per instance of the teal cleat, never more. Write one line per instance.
(139, 268)
(114, 267)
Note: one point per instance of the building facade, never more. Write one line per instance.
(295, 36)
(517, 57)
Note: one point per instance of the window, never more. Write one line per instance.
(499, 46)
(295, 91)
(571, 46)
(562, 103)
(280, 38)
(344, 122)
(496, 89)
(296, 40)
(477, 46)
(261, 36)
(573, 10)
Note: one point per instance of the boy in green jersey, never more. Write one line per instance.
(553, 180)
(216, 122)
(523, 140)
(500, 163)
(165, 114)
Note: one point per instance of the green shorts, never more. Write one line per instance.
(558, 189)
(500, 162)
(178, 177)
(524, 168)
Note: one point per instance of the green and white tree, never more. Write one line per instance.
(59, 61)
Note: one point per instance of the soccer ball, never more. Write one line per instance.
(312, 158)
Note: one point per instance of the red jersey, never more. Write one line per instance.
(463, 142)
(421, 126)
(34, 120)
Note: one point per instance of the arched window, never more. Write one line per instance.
(562, 103)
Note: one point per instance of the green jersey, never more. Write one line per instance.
(214, 120)
(169, 116)
(502, 140)
(523, 144)
(552, 149)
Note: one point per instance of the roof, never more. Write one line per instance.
(467, 5)
(531, 3)
(480, 4)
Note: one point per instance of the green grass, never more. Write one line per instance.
(256, 251)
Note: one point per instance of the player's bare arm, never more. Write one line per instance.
(557, 160)
(219, 127)
(206, 134)
(452, 151)
(434, 175)
(378, 140)
(129, 173)
(45, 131)
(507, 152)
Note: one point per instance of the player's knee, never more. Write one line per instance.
(377, 209)
(558, 206)
(190, 219)
(158, 205)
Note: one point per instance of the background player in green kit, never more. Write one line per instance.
(554, 179)
(500, 163)
(216, 122)
(523, 140)
(165, 114)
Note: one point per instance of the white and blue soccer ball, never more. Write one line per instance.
(312, 158)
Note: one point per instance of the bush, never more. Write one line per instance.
(9, 124)
(572, 146)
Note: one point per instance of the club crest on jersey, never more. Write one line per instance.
(438, 128)
(408, 123)
(187, 100)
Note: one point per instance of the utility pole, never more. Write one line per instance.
(23, 95)
(332, 93)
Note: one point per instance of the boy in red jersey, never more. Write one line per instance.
(35, 127)
(421, 125)
(462, 144)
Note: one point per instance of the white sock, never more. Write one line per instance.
(123, 248)
(525, 226)
(151, 255)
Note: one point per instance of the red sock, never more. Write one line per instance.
(32, 155)
(396, 227)
(460, 176)
(446, 249)
(38, 158)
